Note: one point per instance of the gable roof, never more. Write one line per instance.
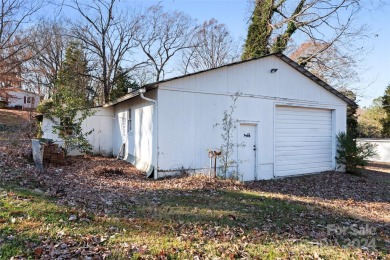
(281, 56)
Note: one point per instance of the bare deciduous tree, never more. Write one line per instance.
(48, 48)
(213, 46)
(14, 14)
(328, 63)
(107, 32)
(162, 35)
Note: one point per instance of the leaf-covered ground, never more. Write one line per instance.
(97, 208)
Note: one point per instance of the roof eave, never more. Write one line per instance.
(131, 95)
(316, 79)
(280, 55)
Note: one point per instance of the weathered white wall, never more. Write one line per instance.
(102, 123)
(17, 99)
(141, 147)
(382, 148)
(101, 138)
(190, 108)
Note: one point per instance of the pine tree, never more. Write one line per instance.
(121, 84)
(70, 104)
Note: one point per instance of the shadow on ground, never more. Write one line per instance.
(317, 210)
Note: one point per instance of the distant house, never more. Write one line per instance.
(19, 98)
(286, 121)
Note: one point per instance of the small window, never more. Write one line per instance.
(129, 119)
(27, 100)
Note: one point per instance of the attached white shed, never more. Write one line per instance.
(286, 118)
(101, 122)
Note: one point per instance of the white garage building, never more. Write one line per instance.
(286, 117)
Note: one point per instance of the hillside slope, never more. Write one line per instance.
(14, 117)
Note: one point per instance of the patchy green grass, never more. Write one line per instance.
(175, 225)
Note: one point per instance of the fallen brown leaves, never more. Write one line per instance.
(105, 184)
(16, 129)
(10, 117)
(88, 248)
(366, 196)
(109, 187)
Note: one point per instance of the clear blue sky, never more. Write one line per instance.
(377, 76)
(234, 13)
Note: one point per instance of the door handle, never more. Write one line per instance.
(254, 147)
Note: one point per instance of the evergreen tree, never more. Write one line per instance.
(122, 83)
(259, 31)
(70, 105)
(352, 122)
(386, 106)
(73, 79)
(353, 155)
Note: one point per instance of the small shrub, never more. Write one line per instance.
(352, 155)
(228, 127)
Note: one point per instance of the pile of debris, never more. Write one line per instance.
(53, 154)
(46, 152)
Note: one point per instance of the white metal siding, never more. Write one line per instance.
(140, 141)
(303, 140)
(189, 109)
(100, 138)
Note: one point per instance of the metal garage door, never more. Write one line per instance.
(303, 140)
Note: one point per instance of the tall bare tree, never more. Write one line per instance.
(48, 48)
(328, 63)
(162, 35)
(213, 46)
(107, 30)
(14, 15)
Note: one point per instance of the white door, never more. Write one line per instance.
(247, 152)
(303, 140)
